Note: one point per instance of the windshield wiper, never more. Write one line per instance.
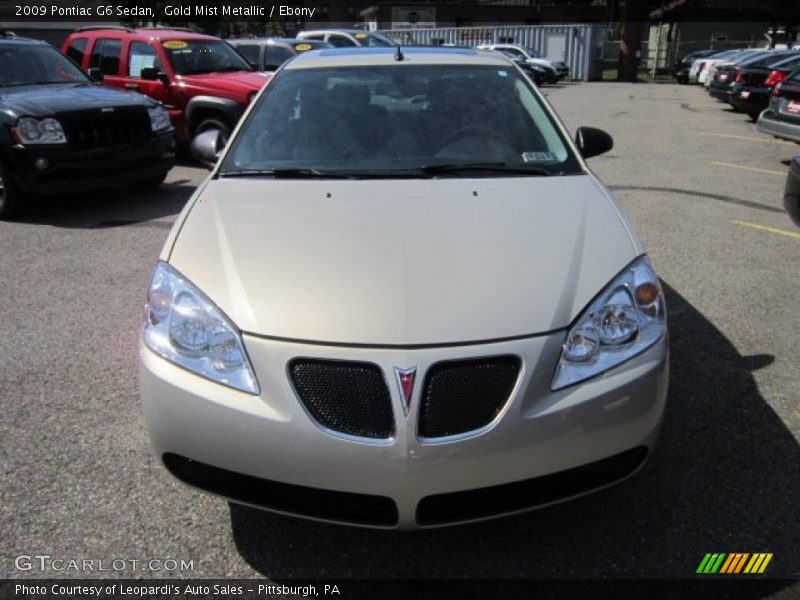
(286, 174)
(498, 167)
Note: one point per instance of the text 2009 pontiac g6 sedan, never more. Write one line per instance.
(402, 300)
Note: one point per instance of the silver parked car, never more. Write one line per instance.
(401, 299)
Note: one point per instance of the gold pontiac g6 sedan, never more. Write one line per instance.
(402, 300)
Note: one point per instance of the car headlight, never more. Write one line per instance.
(183, 326)
(625, 319)
(159, 118)
(44, 131)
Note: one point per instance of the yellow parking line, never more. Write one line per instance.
(769, 229)
(747, 137)
(745, 168)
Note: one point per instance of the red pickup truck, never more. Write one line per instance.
(200, 79)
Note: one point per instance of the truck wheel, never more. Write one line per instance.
(153, 182)
(10, 198)
(221, 126)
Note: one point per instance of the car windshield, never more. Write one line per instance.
(192, 57)
(413, 119)
(34, 64)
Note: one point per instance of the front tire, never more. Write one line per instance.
(10, 197)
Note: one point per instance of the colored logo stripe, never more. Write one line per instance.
(711, 562)
(720, 562)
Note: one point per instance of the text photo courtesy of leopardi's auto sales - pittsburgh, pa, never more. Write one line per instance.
(383, 299)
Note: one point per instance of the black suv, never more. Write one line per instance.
(60, 131)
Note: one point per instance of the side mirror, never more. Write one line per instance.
(207, 147)
(791, 195)
(591, 141)
(153, 74)
(95, 74)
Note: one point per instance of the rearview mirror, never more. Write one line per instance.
(591, 141)
(95, 74)
(207, 147)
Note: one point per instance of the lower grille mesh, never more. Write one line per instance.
(331, 505)
(348, 397)
(464, 395)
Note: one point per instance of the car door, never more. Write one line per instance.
(141, 55)
(106, 53)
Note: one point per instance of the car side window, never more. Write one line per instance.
(250, 52)
(77, 50)
(105, 55)
(341, 41)
(275, 56)
(316, 36)
(141, 56)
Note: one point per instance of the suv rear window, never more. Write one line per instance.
(105, 55)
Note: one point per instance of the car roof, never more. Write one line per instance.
(21, 41)
(273, 40)
(154, 33)
(335, 30)
(384, 56)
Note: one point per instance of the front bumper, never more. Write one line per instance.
(76, 170)
(274, 443)
(768, 123)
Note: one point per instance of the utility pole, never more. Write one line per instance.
(634, 15)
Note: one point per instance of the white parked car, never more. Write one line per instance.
(401, 299)
(701, 67)
(560, 68)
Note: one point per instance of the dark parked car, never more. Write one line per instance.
(751, 91)
(726, 71)
(539, 74)
(60, 131)
(267, 54)
(782, 118)
(791, 195)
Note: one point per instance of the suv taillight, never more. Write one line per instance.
(737, 76)
(774, 78)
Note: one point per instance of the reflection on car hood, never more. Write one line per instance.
(403, 262)
(46, 100)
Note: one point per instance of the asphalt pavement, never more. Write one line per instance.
(704, 189)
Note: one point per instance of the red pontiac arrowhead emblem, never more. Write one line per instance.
(405, 383)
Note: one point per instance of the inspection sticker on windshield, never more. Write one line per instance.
(539, 157)
(302, 47)
(175, 45)
(361, 36)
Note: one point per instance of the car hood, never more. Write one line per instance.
(239, 81)
(44, 100)
(405, 262)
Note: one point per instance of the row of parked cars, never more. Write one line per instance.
(116, 104)
(764, 84)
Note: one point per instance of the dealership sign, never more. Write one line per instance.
(413, 17)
